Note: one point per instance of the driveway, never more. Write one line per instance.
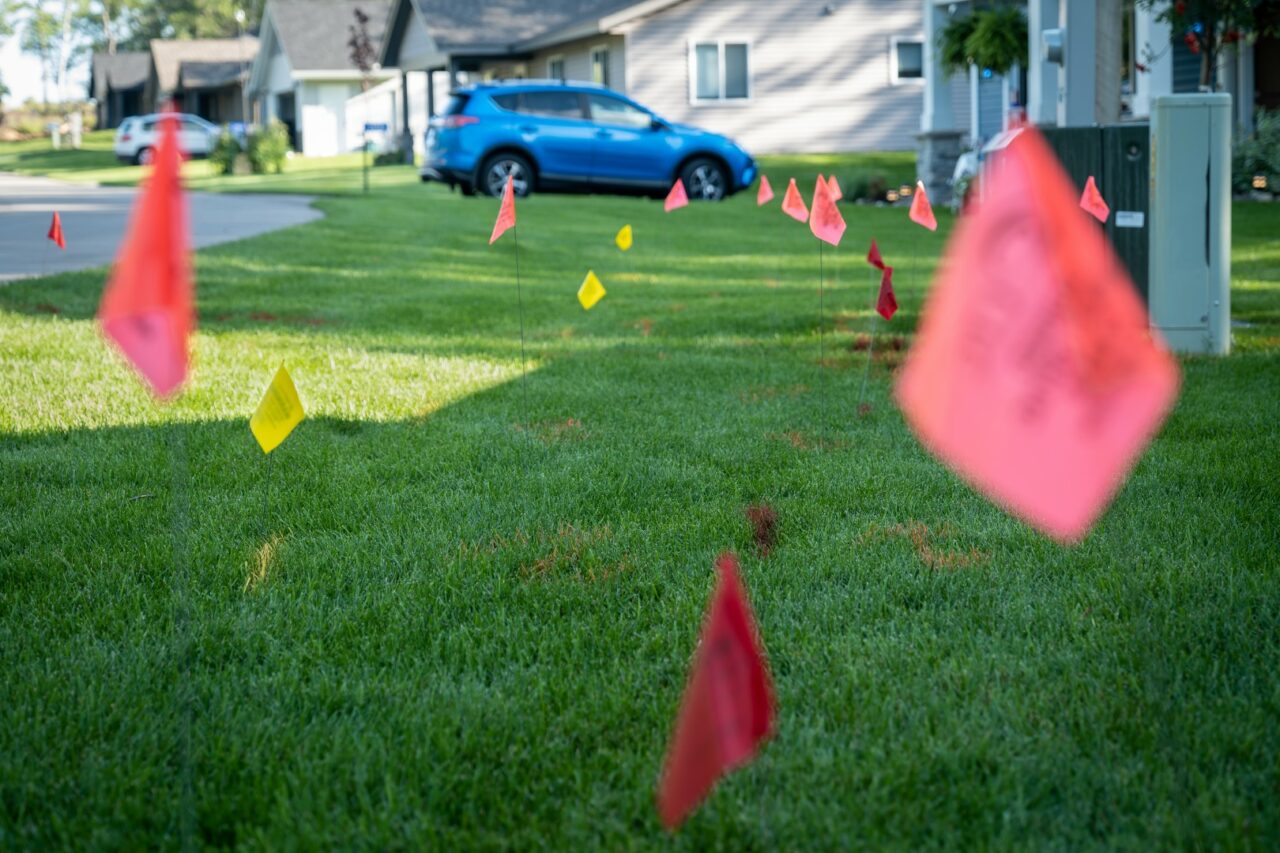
(94, 221)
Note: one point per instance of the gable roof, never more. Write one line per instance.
(119, 71)
(210, 75)
(499, 26)
(168, 55)
(313, 33)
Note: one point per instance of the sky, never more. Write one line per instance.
(21, 73)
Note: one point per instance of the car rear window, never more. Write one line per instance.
(457, 103)
(508, 102)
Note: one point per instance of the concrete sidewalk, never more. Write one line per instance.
(94, 220)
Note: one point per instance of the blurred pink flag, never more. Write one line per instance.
(886, 302)
(677, 198)
(825, 222)
(764, 195)
(1034, 375)
(834, 186)
(506, 213)
(921, 211)
(793, 204)
(148, 306)
(1092, 202)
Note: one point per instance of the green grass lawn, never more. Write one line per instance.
(462, 615)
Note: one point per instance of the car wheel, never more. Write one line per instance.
(144, 157)
(705, 179)
(494, 173)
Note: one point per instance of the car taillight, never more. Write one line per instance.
(126, 137)
(454, 122)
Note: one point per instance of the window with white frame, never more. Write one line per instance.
(555, 68)
(719, 70)
(906, 59)
(600, 65)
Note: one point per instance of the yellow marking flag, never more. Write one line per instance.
(624, 238)
(591, 292)
(278, 413)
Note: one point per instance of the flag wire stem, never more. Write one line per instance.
(524, 366)
(179, 521)
(822, 340)
(871, 345)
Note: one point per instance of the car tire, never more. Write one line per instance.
(705, 179)
(492, 177)
(143, 157)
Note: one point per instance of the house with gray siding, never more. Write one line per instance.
(304, 74)
(795, 76)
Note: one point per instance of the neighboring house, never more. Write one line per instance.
(200, 76)
(805, 75)
(304, 74)
(116, 82)
(1081, 90)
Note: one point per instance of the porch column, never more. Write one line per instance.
(1042, 76)
(938, 143)
(406, 135)
(1078, 86)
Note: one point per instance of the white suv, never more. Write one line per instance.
(136, 137)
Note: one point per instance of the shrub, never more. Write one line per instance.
(868, 187)
(268, 147)
(223, 156)
(390, 157)
(1258, 154)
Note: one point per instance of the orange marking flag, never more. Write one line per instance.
(921, 211)
(728, 706)
(764, 195)
(506, 213)
(886, 302)
(1093, 203)
(1034, 375)
(793, 204)
(834, 186)
(677, 198)
(55, 231)
(148, 306)
(826, 223)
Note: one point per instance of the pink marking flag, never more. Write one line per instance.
(677, 198)
(1093, 203)
(793, 205)
(55, 231)
(1034, 375)
(834, 186)
(921, 211)
(886, 302)
(148, 306)
(764, 195)
(873, 256)
(506, 213)
(728, 708)
(826, 223)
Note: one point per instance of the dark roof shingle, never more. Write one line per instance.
(504, 23)
(170, 54)
(314, 33)
(119, 70)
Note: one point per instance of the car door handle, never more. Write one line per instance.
(527, 128)
(603, 134)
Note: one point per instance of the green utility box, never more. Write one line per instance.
(1118, 158)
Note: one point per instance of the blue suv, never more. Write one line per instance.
(554, 135)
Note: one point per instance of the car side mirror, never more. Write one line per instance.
(656, 123)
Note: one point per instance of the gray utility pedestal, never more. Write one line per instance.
(1190, 278)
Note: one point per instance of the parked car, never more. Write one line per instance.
(136, 137)
(550, 134)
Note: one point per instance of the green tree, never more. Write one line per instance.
(1207, 26)
(993, 36)
(193, 18)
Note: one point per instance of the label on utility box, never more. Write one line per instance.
(1130, 219)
